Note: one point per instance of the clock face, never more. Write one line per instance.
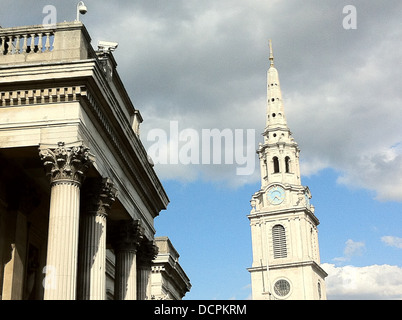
(276, 195)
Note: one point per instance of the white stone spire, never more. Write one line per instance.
(286, 260)
(275, 109)
(279, 154)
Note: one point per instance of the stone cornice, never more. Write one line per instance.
(63, 26)
(284, 212)
(296, 264)
(12, 98)
(126, 144)
(172, 269)
(274, 145)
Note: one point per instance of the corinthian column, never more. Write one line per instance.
(146, 253)
(98, 196)
(125, 238)
(66, 167)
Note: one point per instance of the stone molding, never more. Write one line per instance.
(20, 97)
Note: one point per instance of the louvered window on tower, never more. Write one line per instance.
(276, 164)
(279, 241)
(287, 164)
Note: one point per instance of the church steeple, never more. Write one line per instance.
(279, 155)
(275, 109)
(286, 261)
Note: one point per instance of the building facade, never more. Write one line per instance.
(286, 260)
(78, 193)
(168, 280)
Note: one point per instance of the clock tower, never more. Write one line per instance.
(286, 260)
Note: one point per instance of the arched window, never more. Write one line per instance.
(287, 164)
(279, 241)
(276, 164)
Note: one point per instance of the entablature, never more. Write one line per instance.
(83, 81)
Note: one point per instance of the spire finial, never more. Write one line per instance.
(271, 53)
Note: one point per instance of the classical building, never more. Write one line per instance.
(286, 260)
(168, 280)
(78, 194)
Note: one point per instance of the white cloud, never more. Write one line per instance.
(371, 282)
(204, 63)
(218, 78)
(353, 128)
(312, 166)
(352, 249)
(392, 241)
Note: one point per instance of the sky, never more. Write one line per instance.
(194, 66)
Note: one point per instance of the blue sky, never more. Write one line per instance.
(212, 232)
(213, 236)
(203, 64)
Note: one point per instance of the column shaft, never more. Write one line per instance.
(126, 275)
(98, 196)
(143, 287)
(92, 277)
(61, 266)
(146, 253)
(125, 237)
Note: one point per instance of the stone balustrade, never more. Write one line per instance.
(19, 42)
(66, 41)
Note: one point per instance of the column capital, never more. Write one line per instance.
(147, 252)
(64, 162)
(100, 194)
(126, 235)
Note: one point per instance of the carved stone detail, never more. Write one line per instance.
(126, 235)
(40, 96)
(100, 194)
(146, 253)
(66, 163)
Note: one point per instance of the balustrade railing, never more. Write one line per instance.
(30, 43)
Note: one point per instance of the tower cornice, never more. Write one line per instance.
(285, 212)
